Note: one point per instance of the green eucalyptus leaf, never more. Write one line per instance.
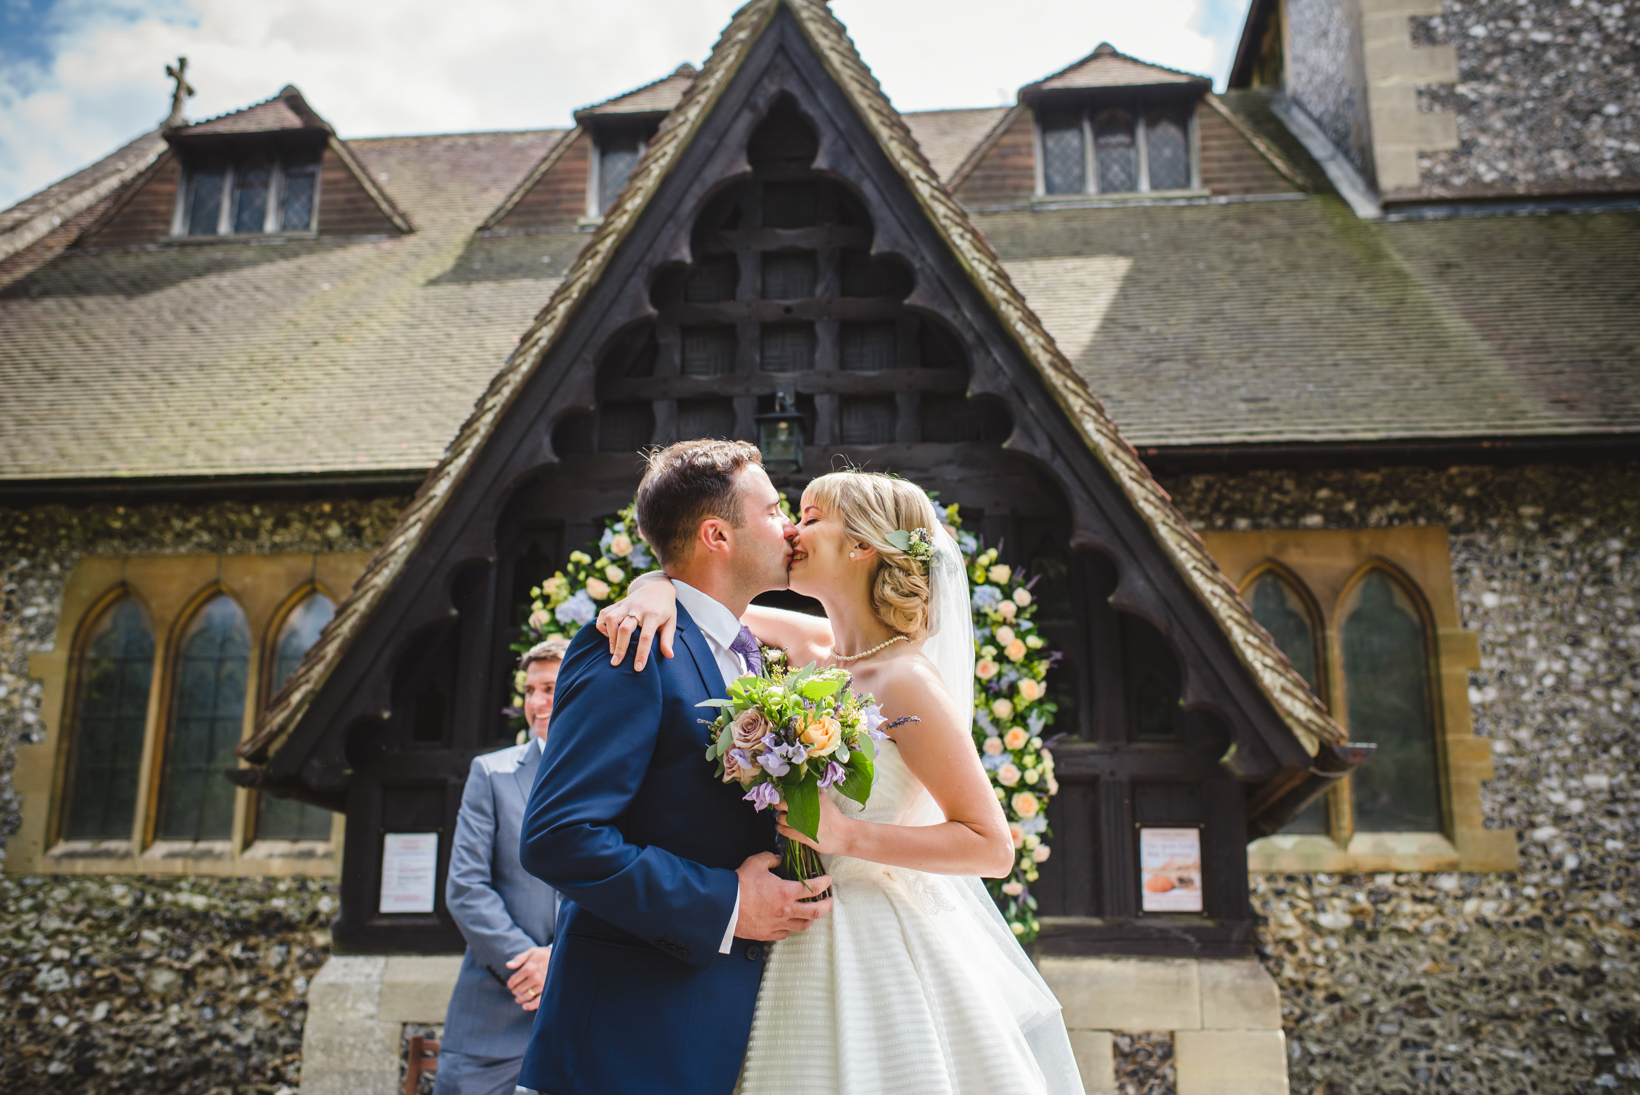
(900, 538)
(715, 703)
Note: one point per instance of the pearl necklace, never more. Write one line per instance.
(864, 653)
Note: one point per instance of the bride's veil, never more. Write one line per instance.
(950, 646)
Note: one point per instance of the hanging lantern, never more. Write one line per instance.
(780, 437)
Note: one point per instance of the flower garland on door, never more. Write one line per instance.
(1011, 662)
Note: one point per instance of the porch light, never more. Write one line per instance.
(780, 436)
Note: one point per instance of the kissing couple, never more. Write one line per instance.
(683, 962)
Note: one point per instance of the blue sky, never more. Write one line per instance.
(80, 77)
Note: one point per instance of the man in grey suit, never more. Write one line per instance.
(506, 914)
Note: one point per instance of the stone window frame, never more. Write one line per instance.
(1326, 565)
(263, 693)
(1141, 110)
(171, 589)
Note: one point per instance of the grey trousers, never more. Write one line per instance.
(464, 1074)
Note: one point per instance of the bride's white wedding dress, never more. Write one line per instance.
(912, 986)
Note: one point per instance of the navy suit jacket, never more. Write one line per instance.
(501, 909)
(629, 824)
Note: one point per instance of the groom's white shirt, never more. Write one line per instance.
(721, 629)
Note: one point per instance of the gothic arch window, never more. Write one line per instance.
(110, 722)
(207, 719)
(1285, 609)
(283, 818)
(1384, 651)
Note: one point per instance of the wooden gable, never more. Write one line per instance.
(783, 234)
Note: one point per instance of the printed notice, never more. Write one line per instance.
(409, 872)
(1170, 870)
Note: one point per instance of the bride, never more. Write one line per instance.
(913, 985)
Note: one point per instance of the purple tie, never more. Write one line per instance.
(746, 646)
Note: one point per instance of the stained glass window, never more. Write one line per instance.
(283, 818)
(207, 716)
(1386, 688)
(1278, 607)
(1115, 154)
(111, 714)
(1064, 162)
(1167, 153)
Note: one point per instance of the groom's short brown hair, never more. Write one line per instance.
(683, 485)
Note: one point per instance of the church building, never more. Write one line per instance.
(1312, 405)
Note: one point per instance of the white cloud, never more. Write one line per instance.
(419, 66)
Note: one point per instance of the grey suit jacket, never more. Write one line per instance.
(500, 908)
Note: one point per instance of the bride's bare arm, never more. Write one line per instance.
(650, 609)
(973, 840)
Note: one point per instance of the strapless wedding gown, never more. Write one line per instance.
(912, 986)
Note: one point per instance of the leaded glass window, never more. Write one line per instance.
(207, 717)
(1115, 152)
(283, 818)
(1064, 160)
(111, 716)
(617, 156)
(1167, 152)
(250, 197)
(296, 201)
(1387, 694)
(205, 201)
(1283, 613)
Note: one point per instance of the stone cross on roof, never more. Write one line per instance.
(181, 92)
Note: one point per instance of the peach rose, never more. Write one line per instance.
(992, 747)
(749, 728)
(1007, 610)
(1030, 691)
(1040, 853)
(1007, 775)
(1017, 831)
(821, 734)
(985, 669)
(1015, 650)
(1016, 738)
(999, 573)
(1026, 805)
(597, 590)
(1014, 889)
(614, 573)
(1022, 597)
(1005, 635)
(1002, 708)
(621, 544)
(539, 619)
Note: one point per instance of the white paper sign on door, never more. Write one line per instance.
(409, 872)
(1170, 870)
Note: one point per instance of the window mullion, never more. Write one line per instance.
(276, 180)
(224, 209)
(1142, 146)
(1090, 184)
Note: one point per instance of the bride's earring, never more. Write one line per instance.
(851, 555)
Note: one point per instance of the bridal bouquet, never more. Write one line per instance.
(791, 735)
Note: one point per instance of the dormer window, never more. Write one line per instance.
(618, 152)
(1104, 149)
(248, 194)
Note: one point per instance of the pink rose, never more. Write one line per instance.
(749, 728)
(1017, 831)
(735, 772)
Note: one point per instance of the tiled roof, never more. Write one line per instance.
(1105, 67)
(1287, 692)
(50, 211)
(655, 98)
(300, 357)
(285, 111)
(947, 136)
(1293, 321)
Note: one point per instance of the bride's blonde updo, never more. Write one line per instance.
(871, 505)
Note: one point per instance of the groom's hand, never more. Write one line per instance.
(772, 908)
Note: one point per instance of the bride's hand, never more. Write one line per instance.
(834, 828)
(650, 607)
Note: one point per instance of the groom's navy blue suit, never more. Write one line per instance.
(629, 824)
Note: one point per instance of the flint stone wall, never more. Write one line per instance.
(149, 986)
(1546, 92)
(1327, 77)
(1496, 983)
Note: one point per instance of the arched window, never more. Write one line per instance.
(1286, 615)
(283, 818)
(111, 714)
(1115, 152)
(1386, 693)
(207, 718)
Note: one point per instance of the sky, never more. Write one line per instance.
(78, 78)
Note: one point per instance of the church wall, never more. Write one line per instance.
(1505, 982)
(1547, 95)
(1325, 75)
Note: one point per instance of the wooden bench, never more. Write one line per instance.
(421, 1057)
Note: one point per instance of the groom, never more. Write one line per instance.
(669, 900)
